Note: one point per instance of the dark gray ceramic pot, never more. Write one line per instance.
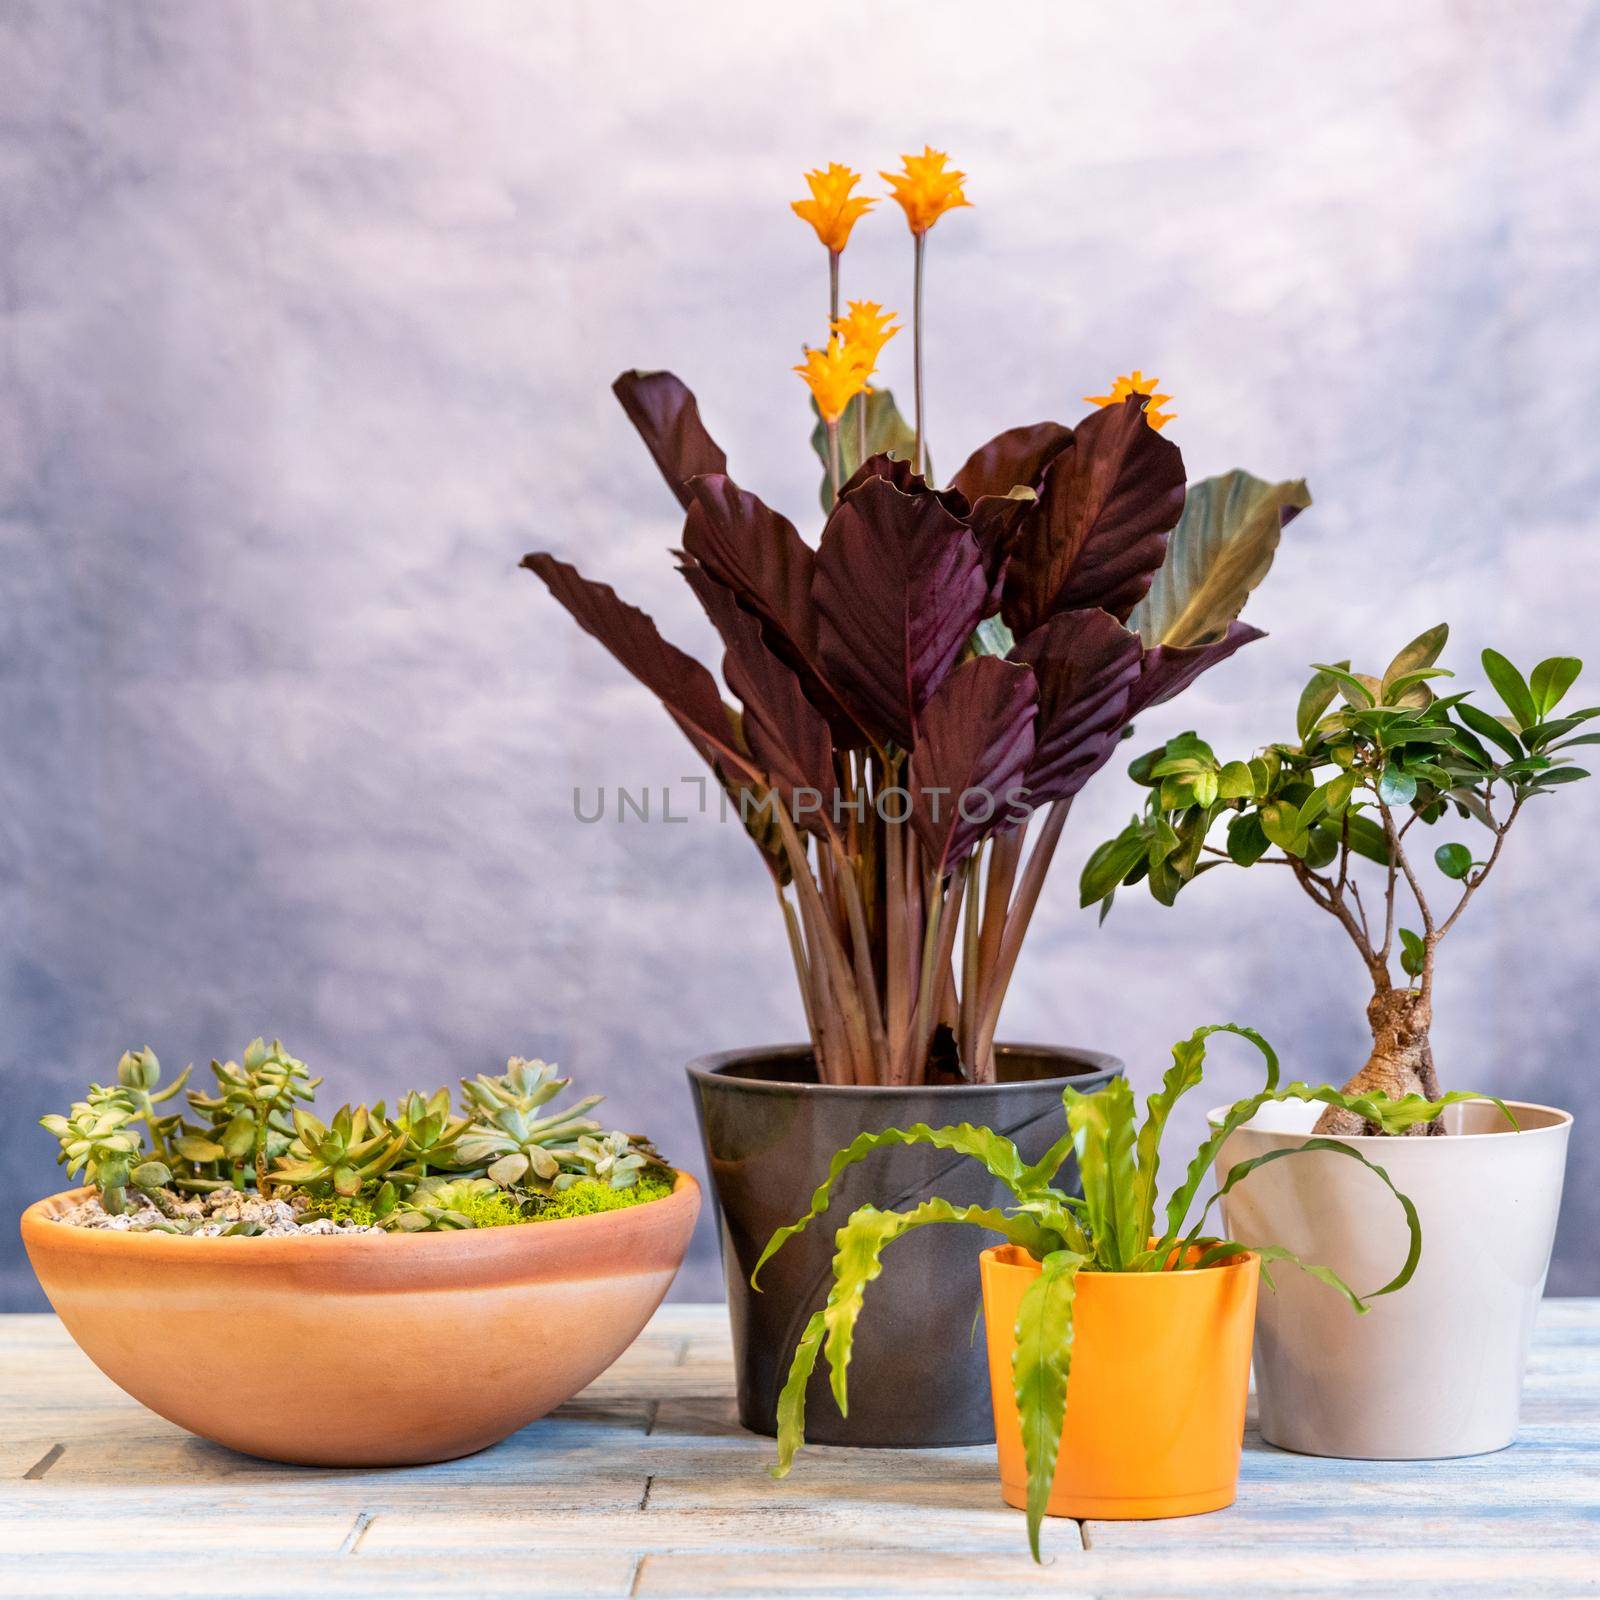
(918, 1377)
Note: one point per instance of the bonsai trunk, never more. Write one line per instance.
(1401, 1062)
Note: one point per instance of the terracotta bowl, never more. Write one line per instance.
(365, 1350)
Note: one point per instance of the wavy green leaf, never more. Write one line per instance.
(1102, 1129)
(888, 433)
(858, 1260)
(792, 1397)
(1041, 1364)
(1242, 1170)
(997, 1153)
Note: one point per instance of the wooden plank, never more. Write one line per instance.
(646, 1485)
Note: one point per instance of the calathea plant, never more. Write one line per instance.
(939, 666)
(1373, 756)
(1117, 1226)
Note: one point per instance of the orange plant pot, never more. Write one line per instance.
(1156, 1394)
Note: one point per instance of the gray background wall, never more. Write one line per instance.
(307, 317)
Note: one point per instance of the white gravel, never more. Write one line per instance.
(212, 1214)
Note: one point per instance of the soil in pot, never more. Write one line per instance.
(1156, 1394)
(918, 1375)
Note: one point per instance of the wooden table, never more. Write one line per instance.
(645, 1485)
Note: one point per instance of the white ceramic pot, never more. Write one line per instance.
(1436, 1368)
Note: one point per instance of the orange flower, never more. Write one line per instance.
(1137, 383)
(865, 330)
(830, 210)
(835, 376)
(924, 189)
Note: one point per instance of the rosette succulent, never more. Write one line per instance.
(98, 1138)
(508, 1139)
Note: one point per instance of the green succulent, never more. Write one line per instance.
(98, 1138)
(512, 1144)
(343, 1155)
(614, 1159)
(440, 1205)
(250, 1116)
(429, 1133)
(138, 1073)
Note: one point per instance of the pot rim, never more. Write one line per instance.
(38, 1224)
(1564, 1121)
(1242, 1262)
(715, 1068)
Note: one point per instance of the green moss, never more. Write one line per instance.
(339, 1209)
(586, 1197)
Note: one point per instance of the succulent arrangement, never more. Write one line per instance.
(1373, 756)
(941, 666)
(420, 1167)
(1114, 1227)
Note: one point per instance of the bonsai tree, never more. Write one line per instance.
(1372, 758)
(939, 666)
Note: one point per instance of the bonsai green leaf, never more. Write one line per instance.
(1454, 860)
(1247, 839)
(888, 434)
(1396, 787)
(1400, 686)
(1110, 864)
(1550, 681)
(996, 1153)
(1315, 699)
(1355, 690)
(1512, 688)
(1220, 550)
(792, 1397)
(1040, 1366)
(1413, 953)
(1556, 775)
(1490, 728)
(1102, 1129)
(858, 1260)
(1234, 782)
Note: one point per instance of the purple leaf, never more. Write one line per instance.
(750, 549)
(1099, 532)
(967, 770)
(1168, 670)
(686, 688)
(1013, 459)
(787, 736)
(1087, 665)
(668, 419)
(900, 584)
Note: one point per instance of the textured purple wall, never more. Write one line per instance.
(307, 317)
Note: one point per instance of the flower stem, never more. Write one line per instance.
(916, 344)
(833, 459)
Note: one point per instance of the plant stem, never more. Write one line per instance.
(918, 240)
(833, 288)
(833, 461)
(1018, 917)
